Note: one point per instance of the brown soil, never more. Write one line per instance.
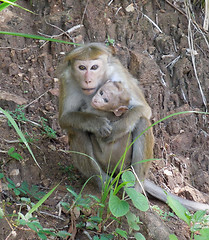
(27, 73)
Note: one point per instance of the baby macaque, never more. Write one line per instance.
(112, 97)
(112, 101)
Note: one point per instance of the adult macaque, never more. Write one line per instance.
(84, 71)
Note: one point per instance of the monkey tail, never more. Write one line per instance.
(160, 194)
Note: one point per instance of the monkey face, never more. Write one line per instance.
(90, 74)
(101, 100)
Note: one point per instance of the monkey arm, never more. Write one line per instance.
(89, 122)
(125, 124)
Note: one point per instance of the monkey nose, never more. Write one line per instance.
(88, 81)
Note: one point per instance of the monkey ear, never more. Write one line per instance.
(119, 111)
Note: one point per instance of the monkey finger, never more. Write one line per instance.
(105, 131)
(109, 139)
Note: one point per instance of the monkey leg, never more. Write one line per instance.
(83, 156)
(142, 149)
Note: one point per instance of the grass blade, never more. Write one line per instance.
(5, 5)
(19, 132)
(15, 5)
(37, 37)
(40, 202)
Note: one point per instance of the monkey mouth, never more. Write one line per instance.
(93, 105)
(88, 91)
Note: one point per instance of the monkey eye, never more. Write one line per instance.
(101, 92)
(94, 67)
(82, 67)
(106, 100)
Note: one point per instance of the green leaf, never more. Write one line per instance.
(204, 234)
(13, 154)
(22, 222)
(63, 234)
(40, 202)
(129, 178)
(38, 225)
(16, 191)
(133, 221)
(48, 231)
(95, 219)
(96, 238)
(5, 5)
(73, 193)
(32, 226)
(172, 237)
(106, 237)
(11, 182)
(33, 191)
(1, 175)
(139, 236)
(138, 199)
(179, 209)
(16, 5)
(42, 236)
(94, 197)
(11, 150)
(122, 233)
(198, 215)
(117, 206)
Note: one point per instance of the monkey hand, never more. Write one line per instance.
(104, 128)
(118, 131)
(113, 137)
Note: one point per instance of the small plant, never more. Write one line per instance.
(46, 129)
(26, 221)
(163, 214)
(89, 211)
(110, 41)
(13, 154)
(19, 132)
(69, 170)
(23, 189)
(18, 114)
(197, 222)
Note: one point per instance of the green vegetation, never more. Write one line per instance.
(27, 221)
(165, 215)
(109, 210)
(197, 222)
(19, 132)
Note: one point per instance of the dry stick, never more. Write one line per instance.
(137, 179)
(84, 12)
(194, 22)
(191, 47)
(36, 99)
(206, 20)
(171, 4)
(144, 15)
(52, 215)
